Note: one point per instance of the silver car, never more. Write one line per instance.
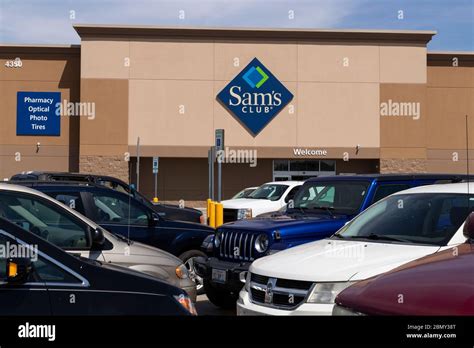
(63, 226)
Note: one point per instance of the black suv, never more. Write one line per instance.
(124, 215)
(42, 279)
(168, 211)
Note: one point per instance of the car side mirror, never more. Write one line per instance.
(468, 229)
(18, 270)
(97, 237)
(154, 220)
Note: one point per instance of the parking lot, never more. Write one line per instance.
(204, 307)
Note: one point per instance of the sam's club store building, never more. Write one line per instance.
(304, 102)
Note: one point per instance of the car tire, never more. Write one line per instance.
(187, 258)
(220, 297)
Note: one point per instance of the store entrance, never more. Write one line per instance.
(281, 177)
(302, 169)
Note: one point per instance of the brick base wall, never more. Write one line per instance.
(413, 165)
(114, 166)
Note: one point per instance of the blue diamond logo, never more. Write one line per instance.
(254, 97)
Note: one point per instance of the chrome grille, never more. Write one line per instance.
(278, 293)
(259, 279)
(237, 239)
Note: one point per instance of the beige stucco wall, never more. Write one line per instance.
(139, 86)
(437, 141)
(167, 76)
(43, 70)
(450, 91)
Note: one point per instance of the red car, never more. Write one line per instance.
(439, 284)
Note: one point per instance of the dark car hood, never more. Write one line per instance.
(186, 225)
(174, 206)
(290, 223)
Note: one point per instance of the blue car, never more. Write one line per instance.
(320, 207)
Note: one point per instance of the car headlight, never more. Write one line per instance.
(244, 213)
(327, 292)
(187, 304)
(261, 243)
(247, 282)
(207, 243)
(339, 310)
(182, 272)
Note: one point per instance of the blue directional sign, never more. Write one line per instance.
(38, 113)
(155, 164)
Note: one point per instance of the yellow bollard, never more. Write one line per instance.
(219, 214)
(208, 209)
(212, 215)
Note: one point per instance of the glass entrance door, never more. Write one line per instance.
(302, 169)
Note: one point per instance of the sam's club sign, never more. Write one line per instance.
(38, 113)
(255, 96)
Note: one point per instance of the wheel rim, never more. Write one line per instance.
(189, 263)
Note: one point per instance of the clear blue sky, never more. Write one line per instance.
(48, 21)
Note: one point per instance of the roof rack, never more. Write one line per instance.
(53, 183)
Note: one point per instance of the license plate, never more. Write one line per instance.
(219, 275)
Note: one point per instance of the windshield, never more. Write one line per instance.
(342, 197)
(244, 193)
(272, 192)
(428, 218)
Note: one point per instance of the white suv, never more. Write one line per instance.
(267, 198)
(405, 226)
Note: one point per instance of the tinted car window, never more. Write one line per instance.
(341, 197)
(292, 193)
(112, 185)
(243, 194)
(51, 273)
(430, 218)
(8, 246)
(3, 258)
(111, 208)
(272, 192)
(44, 219)
(387, 189)
(72, 200)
